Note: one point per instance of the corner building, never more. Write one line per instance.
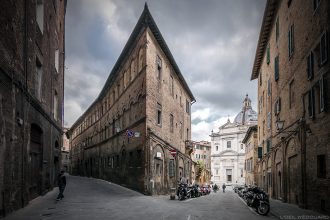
(141, 114)
(292, 69)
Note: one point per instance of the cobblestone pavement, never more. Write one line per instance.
(88, 198)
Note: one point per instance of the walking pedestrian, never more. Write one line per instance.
(61, 181)
(223, 187)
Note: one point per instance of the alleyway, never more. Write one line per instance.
(87, 198)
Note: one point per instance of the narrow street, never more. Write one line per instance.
(87, 198)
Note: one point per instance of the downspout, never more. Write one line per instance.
(303, 154)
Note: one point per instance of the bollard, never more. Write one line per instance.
(172, 194)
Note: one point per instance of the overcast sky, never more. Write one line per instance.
(212, 41)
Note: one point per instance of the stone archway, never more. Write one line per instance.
(35, 159)
(158, 169)
(278, 188)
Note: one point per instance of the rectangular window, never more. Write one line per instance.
(260, 78)
(159, 114)
(268, 54)
(159, 67)
(277, 106)
(228, 144)
(316, 4)
(322, 95)
(181, 130)
(57, 60)
(269, 89)
(269, 145)
(187, 134)
(38, 80)
(171, 168)
(263, 127)
(187, 106)
(55, 105)
(324, 48)
(276, 67)
(291, 40)
(321, 166)
(310, 66)
(311, 103)
(172, 86)
(277, 27)
(40, 14)
(268, 120)
(291, 93)
(171, 123)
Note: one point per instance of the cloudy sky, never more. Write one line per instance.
(212, 41)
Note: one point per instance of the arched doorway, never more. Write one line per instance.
(278, 174)
(35, 158)
(294, 174)
(158, 169)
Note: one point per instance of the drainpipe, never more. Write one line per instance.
(303, 155)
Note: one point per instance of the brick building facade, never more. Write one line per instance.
(292, 68)
(31, 99)
(141, 115)
(251, 155)
(65, 152)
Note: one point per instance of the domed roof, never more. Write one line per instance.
(247, 115)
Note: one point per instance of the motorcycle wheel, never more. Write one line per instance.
(181, 196)
(263, 208)
(249, 202)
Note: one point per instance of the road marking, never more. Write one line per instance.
(188, 217)
(187, 200)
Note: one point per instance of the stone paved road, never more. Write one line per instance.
(87, 198)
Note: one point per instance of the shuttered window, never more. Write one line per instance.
(311, 103)
(324, 48)
(291, 40)
(268, 54)
(276, 68)
(310, 66)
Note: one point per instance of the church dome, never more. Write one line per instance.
(247, 115)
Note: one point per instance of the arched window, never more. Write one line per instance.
(132, 70)
(140, 66)
(216, 148)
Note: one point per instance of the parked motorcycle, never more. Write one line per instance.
(195, 192)
(182, 191)
(258, 199)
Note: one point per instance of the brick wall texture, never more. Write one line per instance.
(30, 132)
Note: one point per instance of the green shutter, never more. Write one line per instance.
(268, 54)
(259, 152)
(276, 67)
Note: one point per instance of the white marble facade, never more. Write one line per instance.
(227, 149)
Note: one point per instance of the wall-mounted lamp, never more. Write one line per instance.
(279, 125)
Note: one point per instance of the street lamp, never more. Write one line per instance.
(279, 125)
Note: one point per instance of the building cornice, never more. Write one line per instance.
(265, 31)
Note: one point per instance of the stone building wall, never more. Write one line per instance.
(100, 144)
(289, 166)
(30, 120)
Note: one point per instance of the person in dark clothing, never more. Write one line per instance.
(223, 187)
(61, 181)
